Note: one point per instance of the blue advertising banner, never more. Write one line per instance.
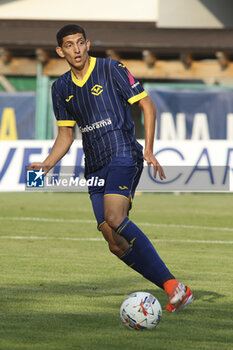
(17, 115)
(192, 113)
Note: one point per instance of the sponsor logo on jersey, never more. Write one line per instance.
(96, 125)
(69, 98)
(134, 85)
(96, 90)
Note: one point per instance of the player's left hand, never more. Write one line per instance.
(38, 166)
(150, 159)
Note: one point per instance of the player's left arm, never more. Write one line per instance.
(149, 113)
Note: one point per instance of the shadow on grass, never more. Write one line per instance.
(207, 296)
(112, 287)
(86, 316)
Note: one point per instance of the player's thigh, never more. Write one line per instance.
(116, 208)
(117, 244)
(119, 190)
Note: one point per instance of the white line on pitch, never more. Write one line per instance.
(102, 239)
(210, 228)
(13, 218)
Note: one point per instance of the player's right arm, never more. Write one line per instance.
(61, 146)
(65, 124)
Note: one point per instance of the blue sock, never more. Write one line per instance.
(143, 256)
(135, 262)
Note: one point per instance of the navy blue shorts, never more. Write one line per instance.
(121, 177)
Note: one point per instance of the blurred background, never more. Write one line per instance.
(180, 50)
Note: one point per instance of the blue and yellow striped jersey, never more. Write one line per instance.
(100, 105)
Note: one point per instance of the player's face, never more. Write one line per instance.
(75, 50)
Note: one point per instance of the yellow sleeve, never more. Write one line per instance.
(66, 122)
(137, 98)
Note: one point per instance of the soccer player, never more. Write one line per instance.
(96, 94)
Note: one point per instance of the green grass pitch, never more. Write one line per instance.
(61, 289)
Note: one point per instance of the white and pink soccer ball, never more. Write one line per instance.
(141, 310)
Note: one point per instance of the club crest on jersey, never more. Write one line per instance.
(96, 90)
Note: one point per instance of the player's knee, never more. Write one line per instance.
(113, 219)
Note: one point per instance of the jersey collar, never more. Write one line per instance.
(80, 83)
